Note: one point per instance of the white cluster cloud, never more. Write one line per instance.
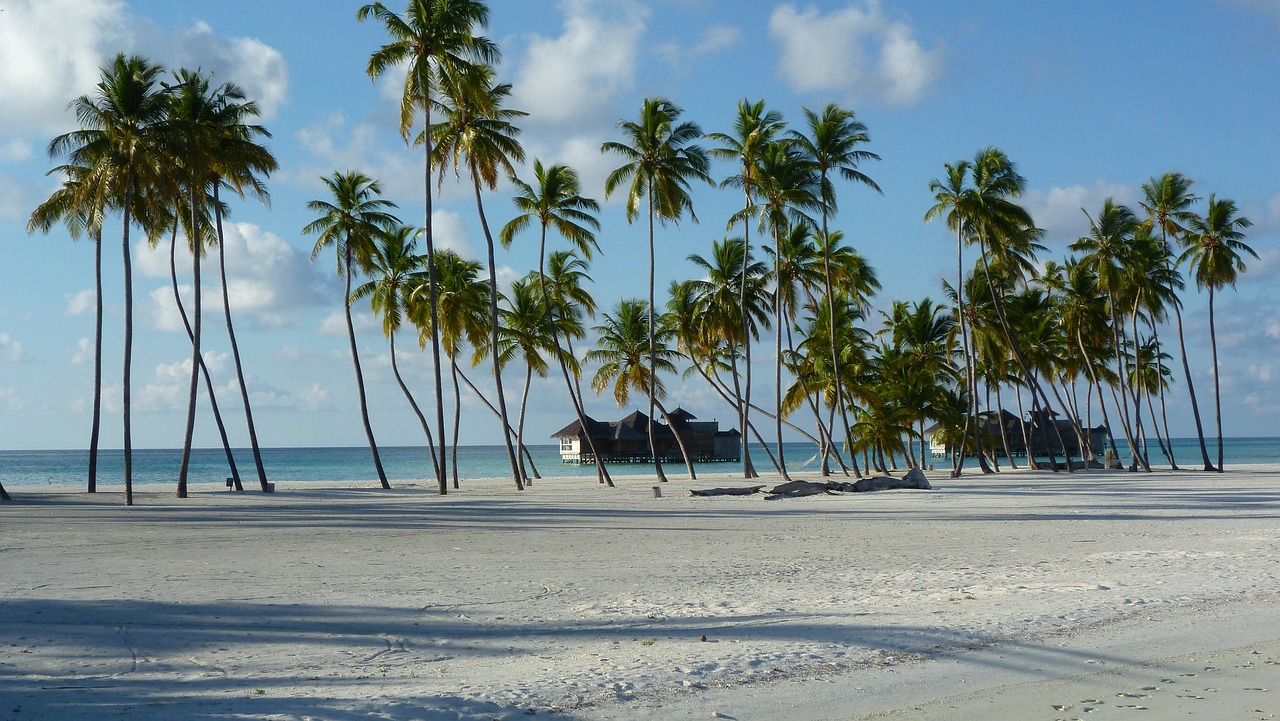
(367, 148)
(11, 350)
(81, 303)
(84, 352)
(50, 51)
(575, 78)
(336, 323)
(269, 281)
(259, 69)
(1059, 210)
(11, 401)
(858, 50)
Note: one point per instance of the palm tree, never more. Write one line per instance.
(754, 129)
(237, 161)
(463, 299)
(1215, 248)
(1106, 251)
(626, 339)
(433, 38)
(832, 146)
(121, 126)
(527, 332)
(79, 205)
(788, 188)
(556, 200)
(397, 273)
(350, 222)
(1168, 200)
(662, 158)
(477, 134)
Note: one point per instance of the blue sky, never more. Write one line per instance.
(1090, 99)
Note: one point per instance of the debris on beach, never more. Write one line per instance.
(914, 479)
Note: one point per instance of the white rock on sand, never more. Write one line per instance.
(1016, 596)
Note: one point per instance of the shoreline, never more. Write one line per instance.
(336, 599)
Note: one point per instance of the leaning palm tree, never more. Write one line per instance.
(477, 134)
(237, 162)
(526, 333)
(832, 146)
(121, 127)
(397, 272)
(754, 129)
(350, 222)
(556, 201)
(1215, 248)
(662, 158)
(432, 38)
(79, 206)
(1168, 200)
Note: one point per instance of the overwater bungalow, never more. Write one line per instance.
(627, 440)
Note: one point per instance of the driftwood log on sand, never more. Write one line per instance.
(750, 490)
(913, 479)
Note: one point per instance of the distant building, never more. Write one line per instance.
(1041, 430)
(627, 440)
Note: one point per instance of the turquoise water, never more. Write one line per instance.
(160, 466)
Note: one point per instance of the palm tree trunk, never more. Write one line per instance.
(1124, 393)
(97, 365)
(235, 347)
(575, 395)
(517, 469)
(204, 369)
(196, 251)
(1186, 373)
(684, 451)
(426, 427)
(432, 302)
(457, 419)
(127, 384)
(521, 449)
(744, 398)
(742, 403)
(524, 399)
(777, 364)
(4, 495)
(1004, 433)
(355, 359)
(1217, 395)
(957, 466)
(653, 352)
(1164, 415)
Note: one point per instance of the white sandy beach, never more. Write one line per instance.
(1101, 595)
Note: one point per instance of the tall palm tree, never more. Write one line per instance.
(477, 134)
(237, 162)
(661, 160)
(555, 200)
(832, 146)
(356, 215)
(397, 272)
(1214, 247)
(526, 332)
(79, 205)
(463, 298)
(1168, 200)
(433, 38)
(1106, 250)
(754, 129)
(121, 127)
(788, 189)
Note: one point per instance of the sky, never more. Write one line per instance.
(1090, 99)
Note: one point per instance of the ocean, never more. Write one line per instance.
(67, 468)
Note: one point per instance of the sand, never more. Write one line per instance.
(1105, 595)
